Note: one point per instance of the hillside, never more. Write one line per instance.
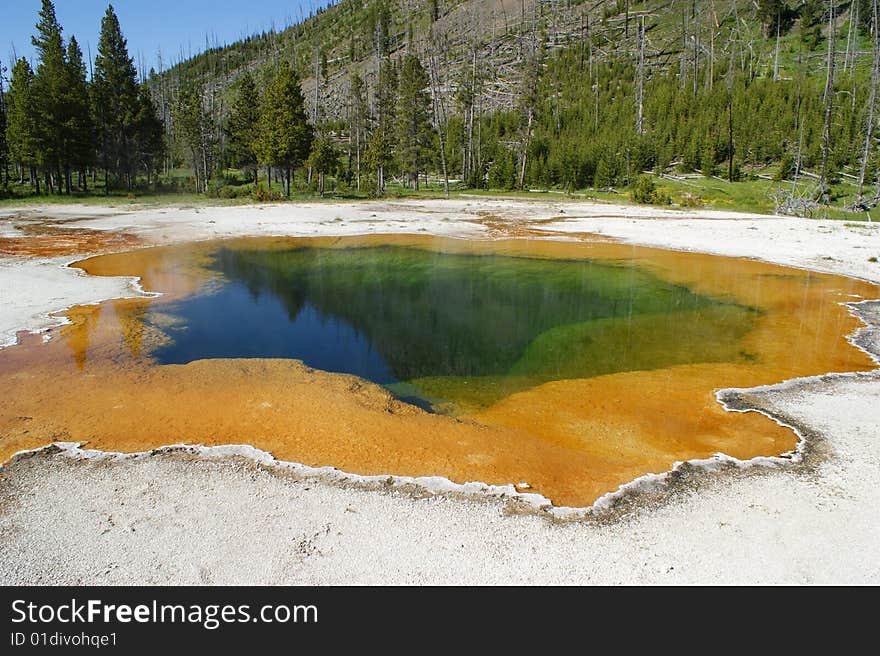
(560, 93)
(495, 35)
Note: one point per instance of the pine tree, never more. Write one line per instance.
(502, 173)
(190, 124)
(323, 159)
(865, 12)
(872, 105)
(466, 99)
(358, 122)
(441, 125)
(380, 153)
(528, 101)
(811, 22)
(413, 118)
(284, 135)
(149, 133)
(79, 134)
(378, 25)
(21, 122)
(241, 125)
(4, 147)
(115, 101)
(770, 13)
(50, 88)
(822, 188)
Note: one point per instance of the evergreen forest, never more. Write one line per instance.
(766, 104)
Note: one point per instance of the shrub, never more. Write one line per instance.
(662, 197)
(644, 190)
(691, 200)
(263, 195)
(502, 172)
(786, 167)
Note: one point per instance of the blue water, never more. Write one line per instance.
(258, 325)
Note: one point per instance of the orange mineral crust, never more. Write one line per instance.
(571, 440)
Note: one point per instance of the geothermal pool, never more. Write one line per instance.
(572, 367)
(447, 331)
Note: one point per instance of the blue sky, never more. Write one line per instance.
(175, 26)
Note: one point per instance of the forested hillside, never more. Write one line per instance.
(519, 94)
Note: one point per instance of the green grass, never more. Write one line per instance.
(757, 195)
(751, 195)
(115, 199)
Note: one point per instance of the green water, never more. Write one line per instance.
(454, 332)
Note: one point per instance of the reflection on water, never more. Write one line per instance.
(440, 327)
(573, 366)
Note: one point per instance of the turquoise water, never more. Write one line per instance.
(448, 331)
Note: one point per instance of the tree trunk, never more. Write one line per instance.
(730, 136)
(472, 100)
(730, 145)
(829, 104)
(525, 152)
(640, 78)
(358, 153)
(205, 167)
(438, 120)
(479, 162)
(872, 104)
(776, 54)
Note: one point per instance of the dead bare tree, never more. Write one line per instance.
(776, 53)
(851, 37)
(528, 105)
(439, 114)
(798, 124)
(682, 66)
(794, 202)
(710, 74)
(696, 38)
(730, 153)
(640, 78)
(317, 100)
(822, 189)
(872, 108)
(358, 121)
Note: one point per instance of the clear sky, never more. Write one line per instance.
(175, 26)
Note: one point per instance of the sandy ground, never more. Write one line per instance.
(175, 518)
